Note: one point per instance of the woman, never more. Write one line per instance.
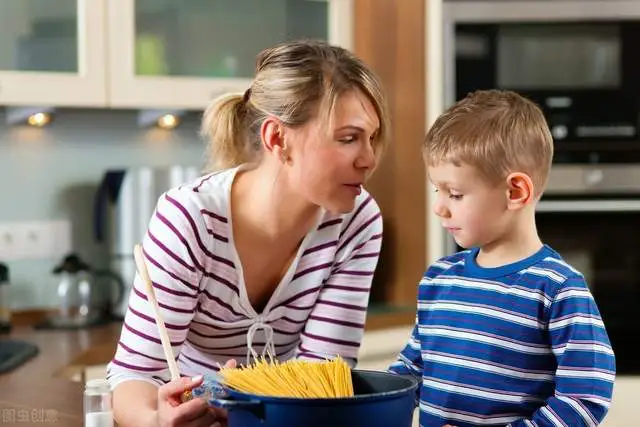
(274, 251)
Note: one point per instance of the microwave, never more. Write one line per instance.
(578, 60)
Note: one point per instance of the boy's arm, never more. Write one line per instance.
(409, 360)
(586, 363)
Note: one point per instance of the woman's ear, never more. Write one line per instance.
(520, 191)
(272, 137)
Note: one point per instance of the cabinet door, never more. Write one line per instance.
(168, 54)
(52, 52)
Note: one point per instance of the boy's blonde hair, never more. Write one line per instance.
(498, 132)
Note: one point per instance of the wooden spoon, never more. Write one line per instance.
(151, 296)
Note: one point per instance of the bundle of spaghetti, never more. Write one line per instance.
(293, 378)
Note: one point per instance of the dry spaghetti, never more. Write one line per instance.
(293, 378)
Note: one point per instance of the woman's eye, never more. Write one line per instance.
(455, 196)
(348, 139)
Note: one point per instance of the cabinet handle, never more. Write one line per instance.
(588, 206)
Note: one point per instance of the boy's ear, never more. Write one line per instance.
(520, 191)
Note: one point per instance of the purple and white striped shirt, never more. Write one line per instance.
(318, 309)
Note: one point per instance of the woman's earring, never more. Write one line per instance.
(284, 155)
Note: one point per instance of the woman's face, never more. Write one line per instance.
(331, 160)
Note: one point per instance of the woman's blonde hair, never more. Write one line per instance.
(498, 132)
(294, 82)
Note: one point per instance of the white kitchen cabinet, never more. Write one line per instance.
(157, 54)
(168, 54)
(53, 52)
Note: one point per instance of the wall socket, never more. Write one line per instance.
(34, 240)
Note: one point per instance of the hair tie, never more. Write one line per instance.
(247, 94)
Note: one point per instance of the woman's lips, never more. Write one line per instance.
(356, 188)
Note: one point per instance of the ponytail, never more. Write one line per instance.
(224, 128)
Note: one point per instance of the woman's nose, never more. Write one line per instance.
(367, 158)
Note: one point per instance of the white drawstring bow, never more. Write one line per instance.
(269, 346)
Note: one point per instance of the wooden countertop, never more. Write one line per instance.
(40, 392)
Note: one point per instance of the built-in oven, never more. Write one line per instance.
(580, 61)
(590, 214)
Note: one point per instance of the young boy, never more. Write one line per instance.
(507, 333)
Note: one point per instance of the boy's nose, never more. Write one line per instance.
(440, 209)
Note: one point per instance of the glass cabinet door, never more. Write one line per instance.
(181, 54)
(52, 52)
(39, 35)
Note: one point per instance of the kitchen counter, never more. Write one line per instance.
(40, 391)
(47, 389)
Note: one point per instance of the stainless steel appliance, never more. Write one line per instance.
(86, 296)
(5, 304)
(124, 204)
(591, 214)
(577, 59)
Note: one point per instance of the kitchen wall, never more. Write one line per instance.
(52, 173)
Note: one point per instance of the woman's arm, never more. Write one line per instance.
(159, 407)
(174, 251)
(336, 323)
(145, 396)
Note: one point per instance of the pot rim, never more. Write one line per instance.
(412, 385)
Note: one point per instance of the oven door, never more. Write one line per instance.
(598, 237)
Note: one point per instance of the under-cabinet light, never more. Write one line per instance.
(163, 119)
(32, 116)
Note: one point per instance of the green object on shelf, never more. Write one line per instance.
(150, 56)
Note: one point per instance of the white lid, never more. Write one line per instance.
(99, 383)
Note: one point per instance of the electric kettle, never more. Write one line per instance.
(85, 296)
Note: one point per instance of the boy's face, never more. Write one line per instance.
(473, 210)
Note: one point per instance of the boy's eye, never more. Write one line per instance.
(455, 196)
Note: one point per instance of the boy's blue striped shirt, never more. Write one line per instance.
(518, 345)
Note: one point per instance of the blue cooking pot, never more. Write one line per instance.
(381, 400)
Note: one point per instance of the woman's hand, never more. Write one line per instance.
(172, 412)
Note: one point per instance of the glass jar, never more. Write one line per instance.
(97, 404)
